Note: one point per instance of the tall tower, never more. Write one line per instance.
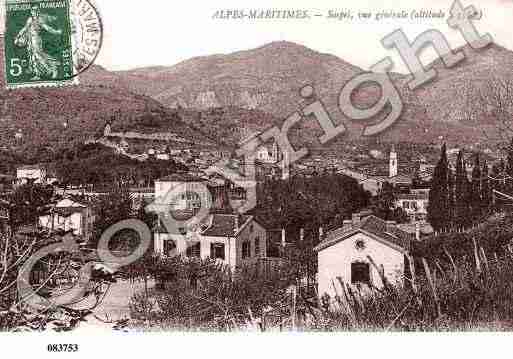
(392, 164)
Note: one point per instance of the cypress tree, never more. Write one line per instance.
(498, 172)
(438, 209)
(509, 159)
(486, 193)
(475, 193)
(461, 194)
(450, 198)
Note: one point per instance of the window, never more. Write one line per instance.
(217, 251)
(193, 250)
(257, 247)
(360, 273)
(251, 228)
(169, 247)
(360, 245)
(246, 250)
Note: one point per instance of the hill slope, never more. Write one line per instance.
(268, 79)
(54, 118)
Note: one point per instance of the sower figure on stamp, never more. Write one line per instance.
(30, 36)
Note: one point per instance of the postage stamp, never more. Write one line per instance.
(87, 32)
(38, 43)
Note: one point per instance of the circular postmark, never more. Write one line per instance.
(87, 34)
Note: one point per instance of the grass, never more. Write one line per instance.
(474, 293)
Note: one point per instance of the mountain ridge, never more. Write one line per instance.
(430, 114)
(221, 98)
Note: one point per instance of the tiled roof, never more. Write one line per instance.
(67, 211)
(142, 190)
(425, 228)
(68, 202)
(223, 225)
(413, 196)
(30, 167)
(396, 179)
(215, 225)
(181, 177)
(373, 226)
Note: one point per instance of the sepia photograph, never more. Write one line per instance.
(290, 176)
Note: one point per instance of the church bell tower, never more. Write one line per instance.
(392, 166)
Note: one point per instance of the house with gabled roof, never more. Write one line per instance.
(69, 215)
(35, 173)
(234, 239)
(356, 253)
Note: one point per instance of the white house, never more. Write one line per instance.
(415, 204)
(36, 173)
(237, 240)
(187, 191)
(353, 253)
(68, 215)
(268, 154)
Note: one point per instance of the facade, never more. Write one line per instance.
(236, 240)
(186, 186)
(352, 255)
(392, 166)
(415, 204)
(268, 154)
(68, 215)
(35, 173)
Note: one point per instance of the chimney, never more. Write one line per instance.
(356, 219)
(390, 226)
(347, 224)
(417, 231)
(301, 234)
(321, 233)
(283, 242)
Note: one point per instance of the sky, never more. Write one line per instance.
(164, 32)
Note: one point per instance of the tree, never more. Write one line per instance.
(300, 202)
(384, 206)
(461, 194)
(451, 219)
(438, 208)
(27, 203)
(509, 159)
(476, 191)
(115, 206)
(486, 194)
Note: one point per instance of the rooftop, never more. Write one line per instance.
(215, 225)
(181, 177)
(374, 226)
(67, 211)
(396, 179)
(30, 167)
(224, 225)
(413, 196)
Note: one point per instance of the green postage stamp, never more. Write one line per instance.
(38, 43)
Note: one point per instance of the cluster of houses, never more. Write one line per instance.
(353, 254)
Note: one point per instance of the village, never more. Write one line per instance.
(322, 258)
